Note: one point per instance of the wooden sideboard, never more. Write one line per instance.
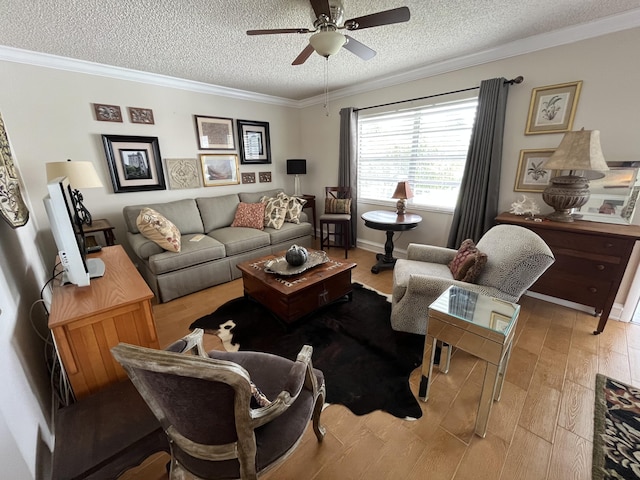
(591, 259)
(87, 321)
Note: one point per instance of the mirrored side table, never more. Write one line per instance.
(477, 324)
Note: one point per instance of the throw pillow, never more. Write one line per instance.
(468, 262)
(274, 212)
(250, 215)
(258, 399)
(337, 205)
(159, 229)
(294, 207)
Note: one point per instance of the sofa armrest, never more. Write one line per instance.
(430, 253)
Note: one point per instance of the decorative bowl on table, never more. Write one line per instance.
(280, 266)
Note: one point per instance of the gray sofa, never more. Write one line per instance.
(213, 259)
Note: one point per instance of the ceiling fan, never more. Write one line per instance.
(326, 40)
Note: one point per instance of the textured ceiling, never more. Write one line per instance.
(205, 40)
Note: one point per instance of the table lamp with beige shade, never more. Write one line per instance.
(81, 175)
(578, 151)
(402, 193)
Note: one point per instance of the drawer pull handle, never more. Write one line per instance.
(593, 289)
(608, 245)
(600, 267)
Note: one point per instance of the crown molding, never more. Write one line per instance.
(576, 33)
(28, 57)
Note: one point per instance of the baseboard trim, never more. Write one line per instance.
(615, 314)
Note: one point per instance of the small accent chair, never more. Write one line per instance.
(337, 212)
(203, 402)
(516, 258)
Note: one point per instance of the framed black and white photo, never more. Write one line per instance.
(214, 133)
(134, 163)
(254, 142)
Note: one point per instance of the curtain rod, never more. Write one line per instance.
(518, 79)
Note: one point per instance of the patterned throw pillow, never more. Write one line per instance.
(468, 262)
(258, 399)
(274, 212)
(250, 215)
(159, 229)
(337, 205)
(294, 207)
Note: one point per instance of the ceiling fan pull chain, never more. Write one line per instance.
(326, 86)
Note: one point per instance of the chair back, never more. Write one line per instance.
(203, 404)
(516, 258)
(337, 192)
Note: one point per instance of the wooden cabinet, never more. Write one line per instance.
(87, 321)
(591, 259)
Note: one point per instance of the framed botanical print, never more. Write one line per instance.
(214, 133)
(553, 108)
(531, 176)
(134, 163)
(219, 169)
(254, 142)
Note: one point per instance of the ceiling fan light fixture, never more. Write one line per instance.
(327, 43)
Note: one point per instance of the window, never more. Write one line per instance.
(427, 146)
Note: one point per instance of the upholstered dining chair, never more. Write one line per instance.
(226, 414)
(337, 213)
(515, 258)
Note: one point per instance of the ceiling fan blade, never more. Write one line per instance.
(306, 53)
(359, 49)
(278, 30)
(320, 7)
(388, 17)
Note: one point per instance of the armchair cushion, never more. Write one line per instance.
(468, 262)
(337, 205)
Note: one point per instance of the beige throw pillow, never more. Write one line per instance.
(159, 229)
(294, 207)
(274, 212)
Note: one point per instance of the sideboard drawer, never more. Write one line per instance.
(585, 243)
(600, 268)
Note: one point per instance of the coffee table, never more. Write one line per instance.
(293, 297)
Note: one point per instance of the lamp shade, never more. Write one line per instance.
(579, 150)
(296, 166)
(403, 191)
(80, 174)
(327, 43)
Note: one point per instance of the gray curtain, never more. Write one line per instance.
(477, 204)
(347, 164)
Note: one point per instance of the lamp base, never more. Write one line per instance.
(401, 206)
(565, 193)
(296, 187)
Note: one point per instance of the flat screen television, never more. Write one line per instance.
(68, 235)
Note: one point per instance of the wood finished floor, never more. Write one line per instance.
(542, 427)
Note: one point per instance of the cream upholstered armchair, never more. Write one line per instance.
(516, 258)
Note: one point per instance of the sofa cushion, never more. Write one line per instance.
(184, 214)
(240, 239)
(217, 212)
(206, 249)
(294, 207)
(250, 215)
(158, 229)
(289, 231)
(254, 197)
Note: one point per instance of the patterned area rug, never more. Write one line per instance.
(616, 436)
(366, 364)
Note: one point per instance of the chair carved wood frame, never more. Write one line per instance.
(176, 384)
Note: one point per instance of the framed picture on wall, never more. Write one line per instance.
(254, 142)
(553, 108)
(219, 169)
(531, 176)
(134, 163)
(214, 133)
